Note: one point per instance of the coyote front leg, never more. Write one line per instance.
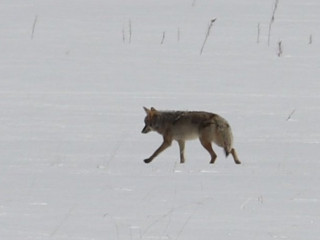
(181, 149)
(166, 143)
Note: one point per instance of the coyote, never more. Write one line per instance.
(185, 125)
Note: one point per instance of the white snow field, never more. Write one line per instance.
(74, 76)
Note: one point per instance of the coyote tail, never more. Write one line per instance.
(226, 152)
(226, 136)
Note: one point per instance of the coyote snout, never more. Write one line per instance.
(185, 125)
(146, 129)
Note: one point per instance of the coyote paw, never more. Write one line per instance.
(212, 160)
(148, 160)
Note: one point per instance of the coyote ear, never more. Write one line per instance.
(146, 110)
(152, 112)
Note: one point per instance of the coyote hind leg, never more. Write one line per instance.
(235, 156)
(207, 145)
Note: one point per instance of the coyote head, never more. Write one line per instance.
(149, 119)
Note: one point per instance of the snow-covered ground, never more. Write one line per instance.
(74, 75)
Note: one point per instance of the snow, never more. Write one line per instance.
(71, 164)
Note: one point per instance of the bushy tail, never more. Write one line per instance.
(227, 140)
(226, 152)
(226, 136)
